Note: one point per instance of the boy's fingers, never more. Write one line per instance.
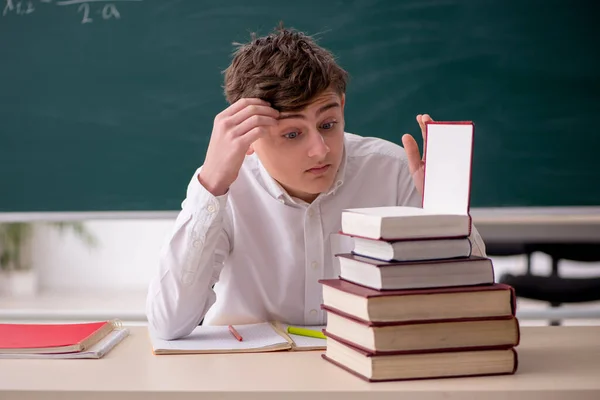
(252, 122)
(422, 119)
(251, 136)
(412, 153)
(251, 110)
(241, 104)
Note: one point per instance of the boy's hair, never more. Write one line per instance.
(286, 68)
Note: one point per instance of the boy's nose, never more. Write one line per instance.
(317, 147)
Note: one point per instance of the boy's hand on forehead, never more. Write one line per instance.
(416, 163)
(234, 130)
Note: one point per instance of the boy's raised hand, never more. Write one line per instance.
(416, 163)
(234, 130)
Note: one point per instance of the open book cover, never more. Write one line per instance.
(445, 211)
(260, 337)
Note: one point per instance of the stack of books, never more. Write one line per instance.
(412, 301)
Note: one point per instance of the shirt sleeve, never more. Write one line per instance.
(190, 263)
(408, 195)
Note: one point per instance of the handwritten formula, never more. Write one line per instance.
(88, 10)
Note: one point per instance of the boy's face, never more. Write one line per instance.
(304, 150)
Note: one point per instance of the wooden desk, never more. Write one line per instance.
(555, 363)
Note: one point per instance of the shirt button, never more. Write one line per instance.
(310, 213)
(211, 209)
(197, 243)
(281, 201)
(313, 312)
(314, 265)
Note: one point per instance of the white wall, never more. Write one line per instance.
(127, 254)
(125, 257)
(111, 281)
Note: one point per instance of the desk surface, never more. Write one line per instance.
(554, 362)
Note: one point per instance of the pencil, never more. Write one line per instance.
(235, 333)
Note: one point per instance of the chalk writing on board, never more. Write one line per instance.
(88, 10)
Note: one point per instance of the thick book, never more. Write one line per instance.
(259, 337)
(394, 275)
(430, 335)
(446, 193)
(412, 250)
(53, 338)
(424, 365)
(370, 305)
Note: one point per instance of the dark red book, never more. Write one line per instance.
(421, 365)
(406, 337)
(462, 302)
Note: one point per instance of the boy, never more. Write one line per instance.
(259, 225)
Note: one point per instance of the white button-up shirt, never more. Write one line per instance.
(256, 254)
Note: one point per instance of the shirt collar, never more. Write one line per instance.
(341, 173)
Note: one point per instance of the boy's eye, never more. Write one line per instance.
(291, 135)
(328, 125)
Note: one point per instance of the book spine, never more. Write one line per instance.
(513, 300)
(470, 228)
(516, 360)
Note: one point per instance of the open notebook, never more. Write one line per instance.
(259, 337)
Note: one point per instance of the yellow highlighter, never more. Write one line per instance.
(294, 330)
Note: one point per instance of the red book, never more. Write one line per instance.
(405, 337)
(422, 365)
(462, 302)
(52, 338)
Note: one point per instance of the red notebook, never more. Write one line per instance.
(52, 338)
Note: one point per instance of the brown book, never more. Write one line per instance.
(372, 305)
(423, 365)
(432, 335)
(394, 275)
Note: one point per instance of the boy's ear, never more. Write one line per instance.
(343, 100)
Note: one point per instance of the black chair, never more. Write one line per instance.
(554, 289)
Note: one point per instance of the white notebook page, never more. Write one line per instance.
(306, 341)
(255, 336)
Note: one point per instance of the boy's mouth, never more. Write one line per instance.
(320, 169)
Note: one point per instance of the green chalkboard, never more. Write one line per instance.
(108, 105)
